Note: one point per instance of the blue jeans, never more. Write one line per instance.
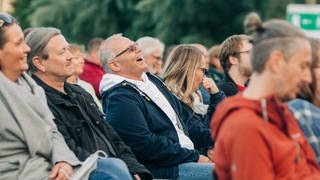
(199, 171)
(110, 168)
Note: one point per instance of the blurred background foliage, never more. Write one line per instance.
(173, 21)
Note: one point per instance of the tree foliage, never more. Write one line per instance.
(173, 21)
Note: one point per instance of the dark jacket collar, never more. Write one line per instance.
(54, 95)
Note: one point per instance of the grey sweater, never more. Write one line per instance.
(30, 141)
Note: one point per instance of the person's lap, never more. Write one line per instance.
(110, 168)
(197, 171)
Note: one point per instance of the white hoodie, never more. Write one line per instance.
(146, 86)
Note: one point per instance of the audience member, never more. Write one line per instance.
(235, 60)
(256, 135)
(76, 114)
(204, 93)
(147, 116)
(306, 107)
(78, 63)
(31, 145)
(183, 73)
(93, 72)
(152, 51)
(215, 70)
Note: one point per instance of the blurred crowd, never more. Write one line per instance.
(117, 108)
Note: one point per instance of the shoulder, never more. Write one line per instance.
(303, 110)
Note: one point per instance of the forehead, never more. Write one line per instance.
(244, 43)
(13, 32)
(120, 43)
(57, 42)
(302, 53)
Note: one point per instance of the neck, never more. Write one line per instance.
(237, 77)
(13, 76)
(54, 82)
(137, 77)
(73, 79)
(260, 86)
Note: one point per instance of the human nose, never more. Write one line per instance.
(69, 55)
(26, 47)
(306, 77)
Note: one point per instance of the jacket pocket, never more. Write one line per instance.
(9, 170)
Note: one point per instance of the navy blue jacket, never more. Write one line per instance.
(149, 132)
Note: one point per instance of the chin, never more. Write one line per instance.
(287, 97)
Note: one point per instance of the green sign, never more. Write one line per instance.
(305, 21)
(305, 16)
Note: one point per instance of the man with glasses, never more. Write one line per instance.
(148, 117)
(77, 116)
(256, 135)
(235, 60)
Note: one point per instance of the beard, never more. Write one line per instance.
(245, 71)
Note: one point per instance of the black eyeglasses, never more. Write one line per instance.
(133, 47)
(247, 51)
(6, 19)
(204, 70)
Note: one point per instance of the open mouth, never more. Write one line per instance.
(139, 59)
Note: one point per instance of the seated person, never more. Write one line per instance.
(31, 145)
(306, 108)
(77, 116)
(148, 117)
(183, 73)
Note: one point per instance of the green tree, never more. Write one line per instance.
(173, 21)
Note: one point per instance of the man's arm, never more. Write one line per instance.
(126, 116)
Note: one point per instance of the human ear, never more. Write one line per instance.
(233, 60)
(38, 63)
(114, 66)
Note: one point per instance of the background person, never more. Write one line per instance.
(152, 50)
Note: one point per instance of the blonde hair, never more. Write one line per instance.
(179, 71)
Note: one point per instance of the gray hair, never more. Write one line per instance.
(37, 39)
(273, 35)
(150, 44)
(106, 53)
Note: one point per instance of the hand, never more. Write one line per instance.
(137, 177)
(204, 159)
(210, 154)
(209, 85)
(61, 171)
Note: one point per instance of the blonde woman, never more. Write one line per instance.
(183, 73)
(78, 64)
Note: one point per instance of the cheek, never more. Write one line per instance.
(198, 77)
(317, 74)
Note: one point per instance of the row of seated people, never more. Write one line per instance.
(162, 122)
(170, 145)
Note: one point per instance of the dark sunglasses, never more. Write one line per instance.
(133, 47)
(6, 19)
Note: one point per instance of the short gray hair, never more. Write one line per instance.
(150, 44)
(37, 39)
(106, 53)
